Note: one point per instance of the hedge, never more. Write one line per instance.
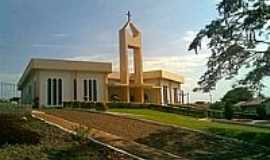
(86, 105)
(182, 110)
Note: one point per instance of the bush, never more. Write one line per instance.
(217, 106)
(77, 104)
(14, 132)
(100, 106)
(81, 134)
(67, 104)
(228, 111)
(36, 103)
(127, 105)
(215, 113)
(261, 112)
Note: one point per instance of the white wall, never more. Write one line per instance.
(81, 76)
(67, 84)
(29, 90)
(170, 92)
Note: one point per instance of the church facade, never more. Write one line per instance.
(51, 82)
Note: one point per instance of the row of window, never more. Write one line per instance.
(175, 93)
(54, 91)
(90, 90)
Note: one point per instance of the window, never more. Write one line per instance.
(176, 96)
(49, 91)
(75, 89)
(165, 94)
(95, 90)
(54, 92)
(59, 91)
(85, 89)
(90, 90)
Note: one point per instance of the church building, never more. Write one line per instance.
(52, 82)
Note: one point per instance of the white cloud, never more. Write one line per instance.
(60, 35)
(44, 45)
(47, 46)
(89, 58)
(189, 35)
(98, 58)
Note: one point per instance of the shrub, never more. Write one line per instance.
(261, 112)
(85, 104)
(77, 104)
(36, 103)
(101, 106)
(115, 98)
(155, 106)
(127, 105)
(67, 104)
(14, 132)
(81, 134)
(228, 111)
(217, 106)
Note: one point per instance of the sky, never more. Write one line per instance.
(88, 30)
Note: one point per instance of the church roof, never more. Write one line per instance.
(156, 74)
(64, 65)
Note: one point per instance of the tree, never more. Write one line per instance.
(237, 95)
(238, 38)
(228, 111)
(261, 111)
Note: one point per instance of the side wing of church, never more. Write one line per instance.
(51, 82)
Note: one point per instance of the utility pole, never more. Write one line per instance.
(210, 97)
(188, 98)
(182, 97)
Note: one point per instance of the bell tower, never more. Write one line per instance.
(130, 38)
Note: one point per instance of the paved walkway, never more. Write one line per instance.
(137, 149)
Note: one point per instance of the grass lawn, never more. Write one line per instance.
(256, 135)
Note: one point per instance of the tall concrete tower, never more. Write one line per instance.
(130, 38)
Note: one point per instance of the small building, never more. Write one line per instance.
(252, 105)
(160, 87)
(55, 81)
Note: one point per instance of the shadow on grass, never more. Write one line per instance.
(79, 151)
(258, 138)
(82, 151)
(195, 145)
(13, 130)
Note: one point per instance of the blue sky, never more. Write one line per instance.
(88, 30)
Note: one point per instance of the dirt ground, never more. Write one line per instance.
(119, 126)
(182, 142)
(31, 139)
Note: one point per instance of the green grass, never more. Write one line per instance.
(251, 134)
(14, 108)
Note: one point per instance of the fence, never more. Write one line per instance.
(8, 90)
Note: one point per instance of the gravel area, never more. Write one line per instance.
(182, 142)
(119, 126)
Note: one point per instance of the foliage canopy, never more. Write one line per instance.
(237, 95)
(238, 38)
